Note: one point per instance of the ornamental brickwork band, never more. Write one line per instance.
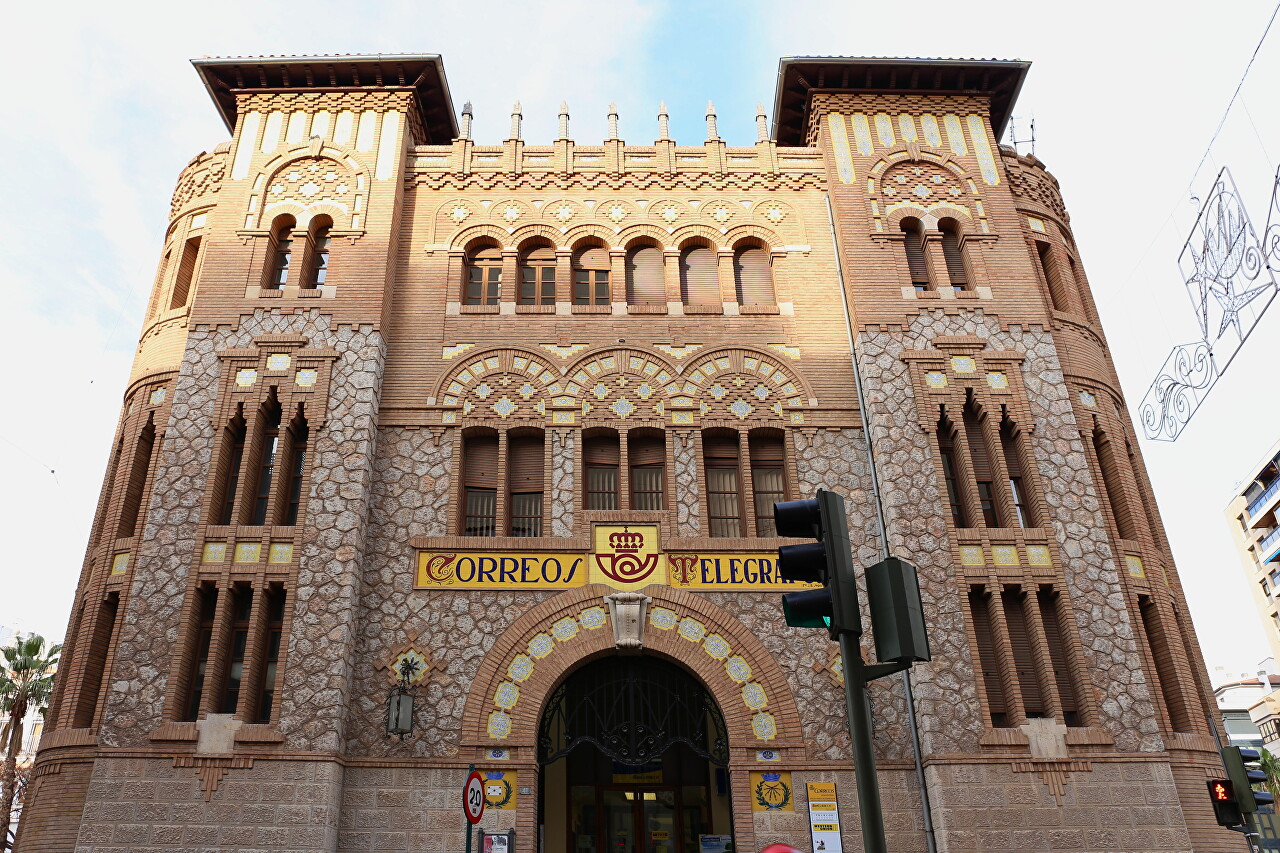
(438, 454)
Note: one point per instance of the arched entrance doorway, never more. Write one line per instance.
(633, 753)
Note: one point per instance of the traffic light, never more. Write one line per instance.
(827, 561)
(1238, 761)
(1225, 808)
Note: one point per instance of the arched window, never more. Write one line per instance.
(913, 243)
(317, 253)
(699, 284)
(591, 276)
(227, 475)
(724, 484)
(538, 276)
(752, 277)
(480, 484)
(186, 271)
(484, 276)
(645, 285)
(280, 256)
(601, 458)
(768, 477)
(524, 482)
(947, 450)
(953, 254)
(646, 455)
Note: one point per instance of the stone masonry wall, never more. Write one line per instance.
(950, 716)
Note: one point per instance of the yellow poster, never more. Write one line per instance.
(771, 792)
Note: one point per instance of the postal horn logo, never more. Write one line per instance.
(626, 564)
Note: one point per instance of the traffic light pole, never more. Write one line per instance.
(864, 753)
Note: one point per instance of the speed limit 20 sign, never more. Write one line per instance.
(473, 798)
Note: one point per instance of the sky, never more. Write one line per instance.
(105, 110)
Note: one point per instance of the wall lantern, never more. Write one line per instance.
(400, 700)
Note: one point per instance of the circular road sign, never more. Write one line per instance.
(473, 798)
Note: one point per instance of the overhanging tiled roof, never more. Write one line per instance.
(800, 76)
(423, 73)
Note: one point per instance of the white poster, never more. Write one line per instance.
(824, 817)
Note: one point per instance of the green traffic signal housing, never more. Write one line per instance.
(1238, 761)
(829, 561)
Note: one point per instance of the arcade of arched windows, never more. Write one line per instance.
(639, 274)
(734, 407)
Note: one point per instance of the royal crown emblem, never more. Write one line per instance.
(626, 564)
(772, 793)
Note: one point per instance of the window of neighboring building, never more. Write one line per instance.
(699, 281)
(752, 276)
(480, 484)
(913, 244)
(646, 454)
(484, 276)
(538, 276)
(645, 284)
(591, 276)
(724, 484)
(601, 457)
(524, 482)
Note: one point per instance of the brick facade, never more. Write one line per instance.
(1065, 682)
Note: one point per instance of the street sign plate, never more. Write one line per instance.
(473, 798)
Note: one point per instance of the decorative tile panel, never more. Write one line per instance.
(248, 552)
(214, 552)
(971, 555)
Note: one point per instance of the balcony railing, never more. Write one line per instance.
(1260, 501)
(1267, 550)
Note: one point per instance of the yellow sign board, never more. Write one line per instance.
(622, 557)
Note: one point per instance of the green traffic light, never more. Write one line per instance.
(808, 609)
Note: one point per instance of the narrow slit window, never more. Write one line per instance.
(136, 488)
(1051, 602)
(186, 272)
(974, 427)
(271, 653)
(238, 644)
(913, 244)
(206, 608)
(319, 250)
(953, 255)
(268, 454)
(1163, 665)
(1052, 277)
(1116, 497)
(992, 682)
(1011, 444)
(1015, 614)
(97, 656)
(299, 434)
(228, 473)
(947, 451)
(281, 255)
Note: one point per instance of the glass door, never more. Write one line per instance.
(659, 829)
(618, 810)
